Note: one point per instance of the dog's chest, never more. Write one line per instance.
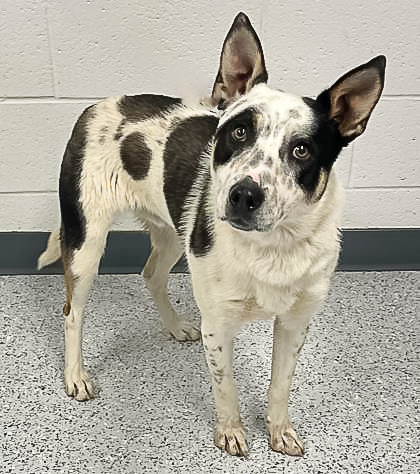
(263, 281)
(265, 301)
(255, 285)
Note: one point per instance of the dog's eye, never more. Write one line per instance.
(301, 152)
(239, 134)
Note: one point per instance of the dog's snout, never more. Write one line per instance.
(245, 198)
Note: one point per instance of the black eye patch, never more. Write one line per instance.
(235, 136)
(309, 156)
(303, 158)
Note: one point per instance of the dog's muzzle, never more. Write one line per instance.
(245, 198)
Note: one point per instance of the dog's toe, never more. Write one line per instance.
(231, 439)
(185, 331)
(285, 440)
(81, 390)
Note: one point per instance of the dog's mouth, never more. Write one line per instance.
(241, 223)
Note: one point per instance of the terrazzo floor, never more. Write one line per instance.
(354, 401)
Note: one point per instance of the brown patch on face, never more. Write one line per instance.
(322, 184)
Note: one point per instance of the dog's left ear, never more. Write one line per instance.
(242, 64)
(353, 97)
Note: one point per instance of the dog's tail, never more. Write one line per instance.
(53, 251)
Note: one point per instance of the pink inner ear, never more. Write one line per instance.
(241, 62)
(239, 75)
(353, 100)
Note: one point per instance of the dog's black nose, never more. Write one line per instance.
(245, 197)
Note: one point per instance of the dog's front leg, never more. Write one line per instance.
(288, 339)
(218, 346)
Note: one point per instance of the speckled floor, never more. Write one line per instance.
(354, 401)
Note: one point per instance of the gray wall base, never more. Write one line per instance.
(363, 250)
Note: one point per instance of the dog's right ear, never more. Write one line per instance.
(242, 63)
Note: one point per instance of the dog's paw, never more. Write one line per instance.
(283, 438)
(81, 389)
(231, 439)
(184, 331)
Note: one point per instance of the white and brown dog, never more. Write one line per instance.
(248, 193)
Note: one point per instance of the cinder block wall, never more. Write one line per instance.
(58, 56)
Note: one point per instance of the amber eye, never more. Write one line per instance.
(239, 133)
(301, 152)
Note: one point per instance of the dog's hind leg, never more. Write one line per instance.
(80, 267)
(166, 251)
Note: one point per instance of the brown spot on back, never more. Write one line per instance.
(135, 155)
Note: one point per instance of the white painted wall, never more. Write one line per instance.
(57, 56)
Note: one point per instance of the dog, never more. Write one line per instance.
(244, 186)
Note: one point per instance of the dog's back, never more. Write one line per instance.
(134, 147)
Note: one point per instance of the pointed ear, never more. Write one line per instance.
(354, 96)
(241, 63)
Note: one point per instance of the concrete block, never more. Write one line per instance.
(382, 208)
(309, 45)
(26, 68)
(24, 212)
(33, 136)
(343, 164)
(387, 154)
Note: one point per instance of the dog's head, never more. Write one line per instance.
(273, 151)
